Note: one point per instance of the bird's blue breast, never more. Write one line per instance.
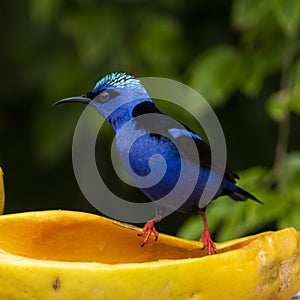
(146, 147)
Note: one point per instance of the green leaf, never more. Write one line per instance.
(287, 13)
(260, 64)
(295, 82)
(217, 73)
(290, 219)
(292, 170)
(43, 11)
(255, 176)
(294, 102)
(228, 219)
(277, 106)
(158, 42)
(94, 44)
(249, 13)
(280, 103)
(191, 229)
(255, 74)
(217, 213)
(249, 217)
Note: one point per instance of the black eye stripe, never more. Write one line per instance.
(91, 95)
(112, 94)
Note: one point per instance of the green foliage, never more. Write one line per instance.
(287, 13)
(216, 73)
(267, 48)
(248, 14)
(291, 192)
(43, 11)
(278, 106)
(157, 41)
(294, 101)
(246, 65)
(82, 26)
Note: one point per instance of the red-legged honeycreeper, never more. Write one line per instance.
(120, 98)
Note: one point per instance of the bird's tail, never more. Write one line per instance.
(239, 194)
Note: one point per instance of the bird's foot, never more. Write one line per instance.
(208, 242)
(147, 230)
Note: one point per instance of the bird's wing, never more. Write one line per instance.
(204, 151)
(181, 135)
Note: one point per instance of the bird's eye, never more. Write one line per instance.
(104, 96)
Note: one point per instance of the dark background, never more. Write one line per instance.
(243, 56)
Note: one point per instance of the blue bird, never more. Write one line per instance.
(120, 98)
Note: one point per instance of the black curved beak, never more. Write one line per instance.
(77, 99)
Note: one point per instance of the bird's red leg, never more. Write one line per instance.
(206, 238)
(148, 229)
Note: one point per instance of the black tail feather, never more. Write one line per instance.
(241, 195)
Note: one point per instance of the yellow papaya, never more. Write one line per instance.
(73, 255)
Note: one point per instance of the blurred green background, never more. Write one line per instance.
(243, 56)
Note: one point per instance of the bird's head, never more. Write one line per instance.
(112, 93)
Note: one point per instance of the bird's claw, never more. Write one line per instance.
(147, 230)
(208, 243)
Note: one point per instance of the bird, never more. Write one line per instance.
(120, 98)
